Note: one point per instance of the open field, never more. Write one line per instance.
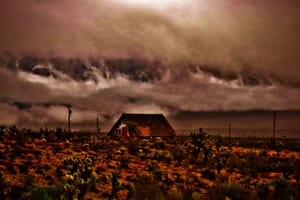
(58, 165)
(247, 132)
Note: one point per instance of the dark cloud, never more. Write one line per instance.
(107, 57)
(17, 88)
(262, 34)
(39, 99)
(239, 120)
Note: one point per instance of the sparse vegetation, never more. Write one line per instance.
(60, 165)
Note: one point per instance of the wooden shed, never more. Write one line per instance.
(142, 126)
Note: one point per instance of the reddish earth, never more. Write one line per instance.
(43, 162)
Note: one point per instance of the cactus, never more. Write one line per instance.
(81, 178)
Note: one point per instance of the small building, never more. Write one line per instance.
(142, 126)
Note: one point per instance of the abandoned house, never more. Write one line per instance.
(142, 126)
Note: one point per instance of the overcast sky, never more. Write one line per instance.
(255, 37)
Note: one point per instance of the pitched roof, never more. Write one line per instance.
(148, 124)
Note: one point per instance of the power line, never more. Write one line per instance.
(274, 125)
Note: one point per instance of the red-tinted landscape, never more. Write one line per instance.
(70, 68)
(61, 165)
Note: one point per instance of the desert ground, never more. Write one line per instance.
(60, 165)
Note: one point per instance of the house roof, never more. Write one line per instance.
(148, 124)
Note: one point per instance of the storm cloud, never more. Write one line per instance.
(260, 35)
(33, 99)
(206, 56)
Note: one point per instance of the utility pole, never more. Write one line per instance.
(274, 125)
(46, 127)
(69, 117)
(97, 125)
(229, 130)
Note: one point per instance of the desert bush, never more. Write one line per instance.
(13, 129)
(165, 156)
(45, 192)
(221, 158)
(175, 195)
(124, 162)
(158, 173)
(262, 191)
(81, 177)
(196, 196)
(116, 185)
(286, 165)
(51, 136)
(145, 190)
(133, 147)
(234, 161)
(202, 142)
(59, 172)
(159, 143)
(39, 170)
(283, 189)
(2, 129)
(168, 157)
(229, 190)
(23, 168)
(179, 154)
(2, 186)
(292, 144)
(18, 190)
(255, 164)
(263, 153)
(208, 174)
(184, 194)
(199, 141)
(297, 169)
(20, 138)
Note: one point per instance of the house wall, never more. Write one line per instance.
(144, 130)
